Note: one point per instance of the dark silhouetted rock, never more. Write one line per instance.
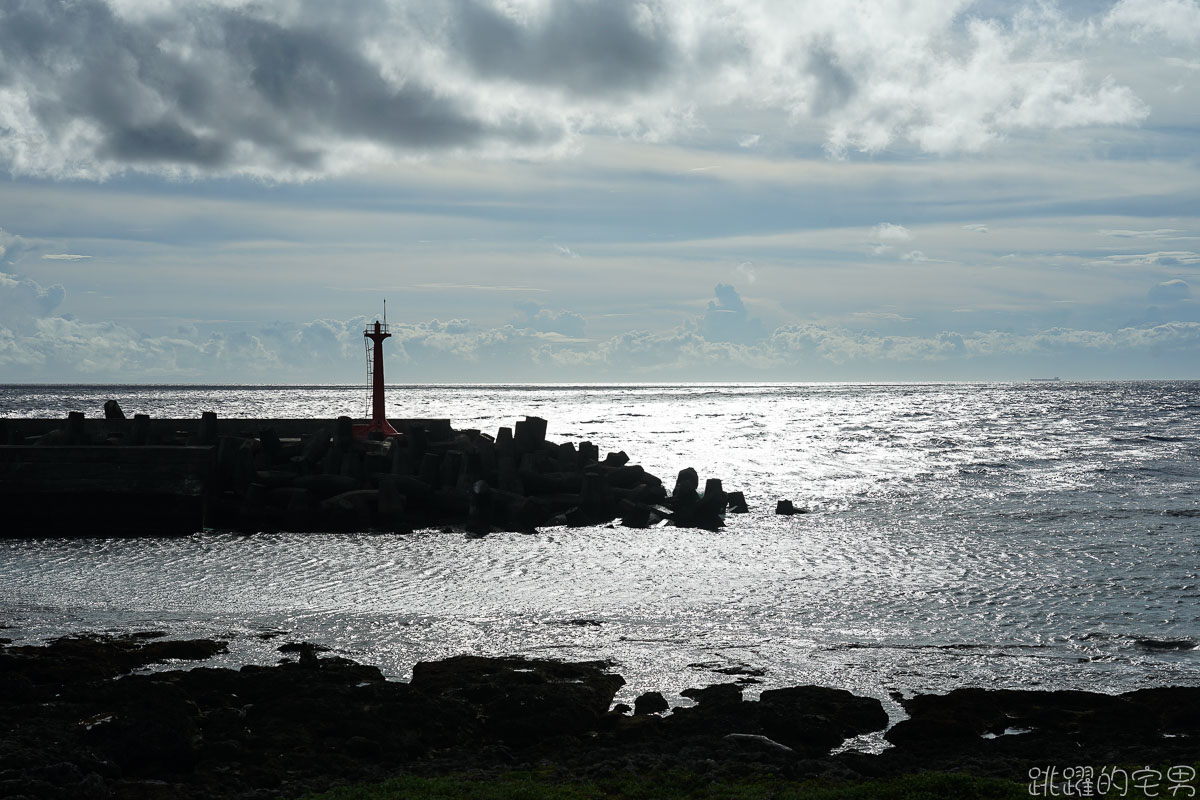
(815, 719)
(589, 454)
(207, 434)
(650, 703)
(479, 517)
(76, 659)
(633, 515)
(75, 431)
(323, 487)
(735, 503)
(687, 482)
(757, 742)
(529, 435)
(523, 700)
(617, 459)
(715, 694)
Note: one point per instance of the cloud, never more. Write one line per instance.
(565, 252)
(880, 316)
(22, 301)
(999, 80)
(975, 228)
(90, 88)
(1172, 291)
(1182, 62)
(13, 247)
(886, 231)
(45, 346)
(727, 320)
(1158, 233)
(539, 318)
(1174, 258)
(586, 48)
(474, 287)
(746, 270)
(1177, 20)
(64, 257)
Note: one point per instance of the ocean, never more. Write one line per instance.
(1021, 535)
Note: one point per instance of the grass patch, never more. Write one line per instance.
(678, 786)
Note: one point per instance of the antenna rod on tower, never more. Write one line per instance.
(385, 311)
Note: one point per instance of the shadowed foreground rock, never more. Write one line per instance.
(69, 729)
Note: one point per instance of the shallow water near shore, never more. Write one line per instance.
(995, 535)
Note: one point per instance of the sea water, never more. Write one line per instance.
(1025, 535)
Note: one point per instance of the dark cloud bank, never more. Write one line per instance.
(302, 89)
(211, 89)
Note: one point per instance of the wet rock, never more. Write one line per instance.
(1166, 644)
(113, 412)
(786, 508)
(808, 719)
(15, 688)
(595, 497)
(756, 741)
(182, 649)
(283, 730)
(650, 703)
(76, 659)
(523, 701)
(207, 434)
(709, 510)
(589, 454)
(617, 459)
(715, 694)
(577, 518)
(353, 510)
(962, 717)
(75, 431)
(739, 669)
(735, 503)
(480, 506)
(529, 435)
(633, 515)
(139, 431)
(684, 496)
(687, 482)
(313, 449)
(58, 773)
(154, 731)
(815, 719)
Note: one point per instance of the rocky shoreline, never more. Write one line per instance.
(81, 718)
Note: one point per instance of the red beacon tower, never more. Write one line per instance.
(373, 338)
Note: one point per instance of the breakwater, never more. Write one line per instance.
(144, 476)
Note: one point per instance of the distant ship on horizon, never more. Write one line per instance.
(1046, 380)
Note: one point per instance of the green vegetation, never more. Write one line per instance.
(678, 786)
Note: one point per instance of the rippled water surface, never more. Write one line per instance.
(961, 534)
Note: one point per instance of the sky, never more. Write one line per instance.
(599, 190)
